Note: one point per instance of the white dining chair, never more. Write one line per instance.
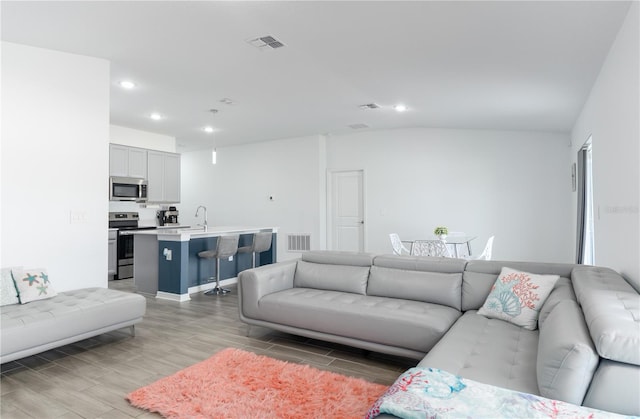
(460, 250)
(486, 253)
(397, 245)
(436, 248)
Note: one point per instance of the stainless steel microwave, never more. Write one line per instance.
(127, 189)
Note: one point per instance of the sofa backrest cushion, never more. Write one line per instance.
(612, 310)
(421, 263)
(567, 358)
(480, 275)
(560, 292)
(429, 287)
(330, 257)
(322, 276)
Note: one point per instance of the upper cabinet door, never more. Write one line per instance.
(155, 172)
(138, 163)
(118, 160)
(127, 161)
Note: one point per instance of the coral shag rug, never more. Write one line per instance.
(239, 384)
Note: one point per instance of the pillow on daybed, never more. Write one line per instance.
(32, 284)
(8, 291)
(517, 296)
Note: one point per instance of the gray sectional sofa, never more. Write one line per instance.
(586, 349)
(27, 329)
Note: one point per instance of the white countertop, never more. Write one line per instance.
(185, 234)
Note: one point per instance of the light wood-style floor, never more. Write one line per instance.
(90, 379)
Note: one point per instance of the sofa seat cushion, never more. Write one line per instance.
(490, 351)
(69, 314)
(615, 387)
(412, 325)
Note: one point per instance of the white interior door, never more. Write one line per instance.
(347, 211)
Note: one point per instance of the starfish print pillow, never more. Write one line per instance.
(32, 284)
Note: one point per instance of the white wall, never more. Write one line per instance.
(55, 135)
(514, 185)
(143, 139)
(236, 190)
(612, 116)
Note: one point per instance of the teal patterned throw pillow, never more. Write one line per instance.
(517, 296)
(33, 284)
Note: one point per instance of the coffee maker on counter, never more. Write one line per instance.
(168, 217)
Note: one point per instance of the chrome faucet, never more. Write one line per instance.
(205, 216)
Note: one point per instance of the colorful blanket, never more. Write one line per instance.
(433, 393)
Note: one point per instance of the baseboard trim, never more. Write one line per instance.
(161, 295)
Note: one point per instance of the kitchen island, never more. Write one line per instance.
(166, 262)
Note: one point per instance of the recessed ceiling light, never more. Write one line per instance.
(127, 84)
(155, 116)
(208, 129)
(400, 107)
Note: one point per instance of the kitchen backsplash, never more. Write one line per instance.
(147, 215)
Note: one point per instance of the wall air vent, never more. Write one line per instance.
(265, 42)
(299, 242)
(369, 106)
(358, 126)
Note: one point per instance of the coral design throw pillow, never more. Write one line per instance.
(517, 296)
(33, 284)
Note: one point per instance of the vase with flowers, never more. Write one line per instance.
(441, 232)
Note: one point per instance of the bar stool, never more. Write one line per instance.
(261, 243)
(227, 246)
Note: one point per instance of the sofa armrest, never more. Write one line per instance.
(253, 284)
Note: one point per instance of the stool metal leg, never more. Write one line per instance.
(217, 290)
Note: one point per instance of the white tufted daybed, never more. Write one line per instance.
(71, 316)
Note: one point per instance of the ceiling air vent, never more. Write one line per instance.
(266, 41)
(369, 106)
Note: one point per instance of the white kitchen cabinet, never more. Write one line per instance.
(163, 177)
(127, 161)
(112, 265)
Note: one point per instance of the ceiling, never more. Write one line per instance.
(507, 65)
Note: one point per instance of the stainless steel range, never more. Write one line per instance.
(127, 224)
